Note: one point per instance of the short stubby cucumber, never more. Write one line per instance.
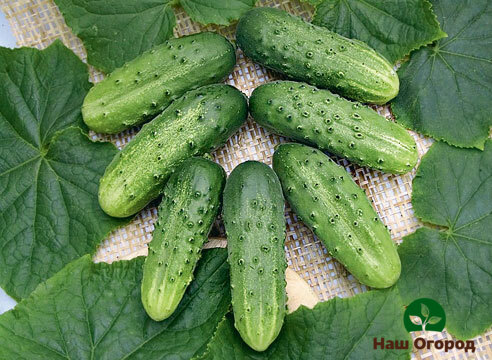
(326, 199)
(190, 203)
(348, 129)
(198, 122)
(145, 86)
(255, 225)
(316, 55)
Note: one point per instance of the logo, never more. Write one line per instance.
(424, 315)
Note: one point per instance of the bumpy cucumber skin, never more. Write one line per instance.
(190, 204)
(316, 55)
(198, 122)
(327, 200)
(348, 129)
(255, 224)
(147, 85)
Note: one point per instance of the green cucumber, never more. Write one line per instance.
(255, 225)
(198, 122)
(147, 85)
(348, 129)
(316, 55)
(190, 204)
(326, 198)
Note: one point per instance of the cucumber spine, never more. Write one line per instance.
(329, 202)
(145, 86)
(342, 127)
(316, 55)
(198, 122)
(190, 203)
(255, 225)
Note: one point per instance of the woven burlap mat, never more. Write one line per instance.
(38, 23)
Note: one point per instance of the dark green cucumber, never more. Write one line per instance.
(348, 129)
(255, 225)
(316, 55)
(326, 198)
(146, 85)
(190, 204)
(198, 122)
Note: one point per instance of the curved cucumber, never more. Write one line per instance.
(327, 199)
(316, 55)
(255, 225)
(190, 204)
(147, 85)
(198, 122)
(348, 129)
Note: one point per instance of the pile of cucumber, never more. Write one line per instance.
(174, 84)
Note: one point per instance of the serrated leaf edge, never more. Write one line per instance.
(439, 35)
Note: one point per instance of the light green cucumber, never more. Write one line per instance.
(344, 128)
(255, 224)
(190, 204)
(145, 86)
(327, 200)
(316, 55)
(198, 122)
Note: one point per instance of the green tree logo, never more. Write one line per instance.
(424, 315)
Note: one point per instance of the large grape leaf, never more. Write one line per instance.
(49, 169)
(392, 27)
(94, 311)
(445, 89)
(116, 31)
(222, 12)
(453, 189)
(336, 329)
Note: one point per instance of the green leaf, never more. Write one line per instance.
(424, 310)
(94, 311)
(49, 169)
(416, 319)
(339, 328)
(452, 188)
(222, 12)
(445, 90)
(116, 31)
(434, 320)
(392, 27)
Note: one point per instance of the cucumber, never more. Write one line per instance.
(348, 129)
(255, 225)
(329, 202)
(316, 55)
(190, 204)
(198, 122)
(145, 86)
